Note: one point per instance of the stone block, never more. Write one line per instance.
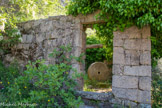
(132, 44)
(130, 104)
(37, 23)
(145, 58)
(130, 94)
(118, 42)
(133, 32)
(23, 38)
(137, 70)
(144, 96)
(118, 69)
(46, 26)
(40, 38)
(146, 44)
(19, 46)
(132, 57)
(77, 51)
(28, 25)
(118, 56)
(115, 101)
(29, 38)
(146, 32)
(145, 83)
(53, 43)
(125, 81)
(77, 38)
(144, 105)
(25, 46)
(120, 35)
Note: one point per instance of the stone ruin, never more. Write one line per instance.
(131, 80)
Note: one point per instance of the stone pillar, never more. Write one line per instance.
(132, 65)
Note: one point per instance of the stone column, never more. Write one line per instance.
(132, 65)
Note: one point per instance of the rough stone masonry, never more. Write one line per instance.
(132, 65)
(131, 83)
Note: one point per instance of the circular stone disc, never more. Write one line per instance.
(98, 71)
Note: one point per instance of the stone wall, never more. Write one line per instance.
(131, 82)
(132, 65)
(41, 37)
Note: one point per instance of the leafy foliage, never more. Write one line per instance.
(16, 11)
(44, 85)
(7, 75)
(121, 14)
(156, 88)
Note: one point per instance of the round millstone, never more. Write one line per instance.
(99, 71)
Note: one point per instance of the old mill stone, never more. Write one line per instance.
(99, 71)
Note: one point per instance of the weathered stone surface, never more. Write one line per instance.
(146, 32)
(137, 70)
(115, 101)
(40, 37)
(118, 69)
(144, 97)
(145, 58)
(23, 38)
(95, 96)
(132, 57)
(25, 46)
(118, 42)
(130, 104)
(29, 38)
(132, 44)
(78, 39)
(133, 32)
(9, 58)
(118, 55)
(46, 26)
(145, 83)
(19, 46)
(120, 35)
(146, 44)
(27, 25)
(130, 94)
(144, 106)
(125, 81)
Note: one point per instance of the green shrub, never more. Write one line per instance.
(45, 85)
(156, 89)
(8, 74)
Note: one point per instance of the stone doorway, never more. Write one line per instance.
(131, 82)
(98, 71)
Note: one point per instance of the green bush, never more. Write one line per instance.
(8, 74)
(45, 85)
(156, 89)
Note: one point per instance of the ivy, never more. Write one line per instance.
(122, 14)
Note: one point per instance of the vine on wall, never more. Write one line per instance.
(122, 14)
